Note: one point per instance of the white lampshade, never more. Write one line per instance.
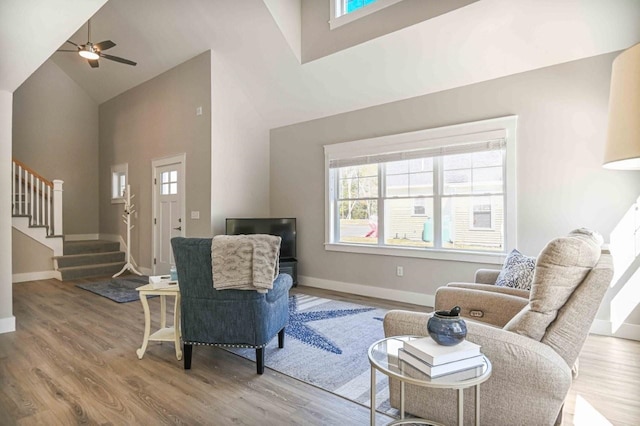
(622, 151)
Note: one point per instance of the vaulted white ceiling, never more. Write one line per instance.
(485, 40)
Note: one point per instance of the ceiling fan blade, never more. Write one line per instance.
(117, 59)
(66, 50)
(94, 63)
(69, 41)
(104, 45)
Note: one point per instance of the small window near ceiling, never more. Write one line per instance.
(353, 5)
(119, 180)
(345, 11)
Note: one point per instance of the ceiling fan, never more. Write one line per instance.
(93, 51)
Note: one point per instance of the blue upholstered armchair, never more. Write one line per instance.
(236, 318)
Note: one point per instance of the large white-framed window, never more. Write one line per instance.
(444, 193)
(345, 11)
(119, 179)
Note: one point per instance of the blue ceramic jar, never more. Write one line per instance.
(447, 329)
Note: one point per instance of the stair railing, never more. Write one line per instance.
(37, 197)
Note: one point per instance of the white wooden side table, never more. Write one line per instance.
(164, 334)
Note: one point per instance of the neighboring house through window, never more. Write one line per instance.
(444, 193)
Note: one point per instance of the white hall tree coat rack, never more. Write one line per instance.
(126, 218)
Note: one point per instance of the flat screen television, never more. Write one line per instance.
(282, 227)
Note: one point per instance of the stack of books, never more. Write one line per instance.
(161, 281)
(435, 360)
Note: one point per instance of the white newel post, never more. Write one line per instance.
(57, 207)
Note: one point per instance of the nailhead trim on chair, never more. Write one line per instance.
(225, 345)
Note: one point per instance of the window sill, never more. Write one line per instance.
(451, 255)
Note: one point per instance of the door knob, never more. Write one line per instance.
(179, 228)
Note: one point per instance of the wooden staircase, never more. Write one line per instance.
(85, 259)
(37, 213)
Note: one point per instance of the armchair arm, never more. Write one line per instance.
(489, 307)
(494, 288)
(523, 370)
(487, 276)
(281, 287)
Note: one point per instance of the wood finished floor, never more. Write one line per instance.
(72, 361)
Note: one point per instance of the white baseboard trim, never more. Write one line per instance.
(625, 331)
(365, 290)
(34, 276)
(81, 237)
(7, 325)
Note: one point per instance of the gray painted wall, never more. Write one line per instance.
(239, 151)
(561, 185)
(318, 40)
(55, 132)
(154, 120)
(29, 255)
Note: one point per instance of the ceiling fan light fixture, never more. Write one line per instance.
(88, 53)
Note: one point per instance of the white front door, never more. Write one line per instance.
(168, 220)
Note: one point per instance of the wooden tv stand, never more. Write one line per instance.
(290, 266)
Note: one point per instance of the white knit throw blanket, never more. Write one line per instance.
(245, 262)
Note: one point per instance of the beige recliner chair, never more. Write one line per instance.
(532, 342)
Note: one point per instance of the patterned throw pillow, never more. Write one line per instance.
(517, 271)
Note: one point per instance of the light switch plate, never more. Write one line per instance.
(195, 215)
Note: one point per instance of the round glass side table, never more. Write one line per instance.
(383, 357)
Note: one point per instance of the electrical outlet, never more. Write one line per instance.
(399, 271)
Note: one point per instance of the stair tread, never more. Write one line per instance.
(92, 266)
(90, 246)
(94, 254)
(89, 242)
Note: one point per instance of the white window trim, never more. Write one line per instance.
(337, 21)
(504, 126)
(118, 168)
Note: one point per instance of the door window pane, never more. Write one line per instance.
(169, 183)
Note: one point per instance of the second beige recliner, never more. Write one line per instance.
(531, 342)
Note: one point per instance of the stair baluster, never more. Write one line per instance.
(37, 197)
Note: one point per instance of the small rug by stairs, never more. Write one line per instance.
(121, 289)
(326, 345)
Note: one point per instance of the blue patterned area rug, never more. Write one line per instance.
(119, 290)
(326, 345)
